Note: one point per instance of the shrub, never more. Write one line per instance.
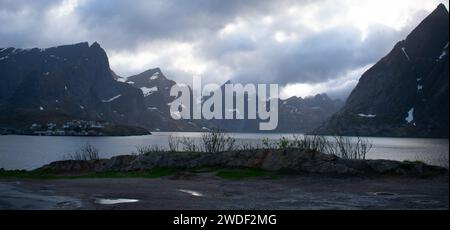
(216, 141)
(141, 150)
(341, 146)
(188, 144)
(174, 143)
(85, 153)
(283, 143)
(350, 147)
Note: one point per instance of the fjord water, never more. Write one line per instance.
(30, 152)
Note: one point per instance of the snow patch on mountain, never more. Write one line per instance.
(442, 55)
(148, 91)
(154, 77)
(406, 54)
(367, 115)
(410, 117)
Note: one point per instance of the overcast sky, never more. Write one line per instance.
(306, 46)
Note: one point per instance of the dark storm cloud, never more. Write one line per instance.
(20, 20)
(123, 22)
(245, 40)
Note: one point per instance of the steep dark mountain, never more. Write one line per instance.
(62, 83)
(156, 90)
(155, 87)
(406, 92)
(306, 114)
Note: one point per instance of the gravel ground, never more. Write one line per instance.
(206, 191)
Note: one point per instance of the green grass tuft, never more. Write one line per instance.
(154, 173)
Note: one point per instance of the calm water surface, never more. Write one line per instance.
(29, 152)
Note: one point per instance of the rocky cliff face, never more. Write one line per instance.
(61, 83)
(406, 92)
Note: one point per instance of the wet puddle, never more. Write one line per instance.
(191, 192)
(115, 201)
(385, 194)
(426, 202)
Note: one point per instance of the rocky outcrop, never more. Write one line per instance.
(294, 161)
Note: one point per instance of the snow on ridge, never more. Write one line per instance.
(3, 58)
(419, 87)
(410, 116)
(41, 108)
(367, 115)
(120, 79)
(154, 77)
(130, 82)
(112, 99)
(406, 54)
(442, 55)
(148, 91)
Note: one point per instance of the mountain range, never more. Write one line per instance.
(403, 94)
(75, 82)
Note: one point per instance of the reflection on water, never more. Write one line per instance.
(29, 152)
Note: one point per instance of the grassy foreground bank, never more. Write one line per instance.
(229, 174)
